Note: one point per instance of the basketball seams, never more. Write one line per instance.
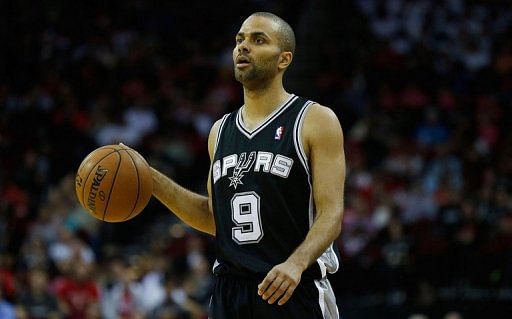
(107, 147)
(113, 184)
(89, 174)
(142, 159)
(116, 208)
(138, 184)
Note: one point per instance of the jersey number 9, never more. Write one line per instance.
(245, 213)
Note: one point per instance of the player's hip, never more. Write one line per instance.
(236, 297)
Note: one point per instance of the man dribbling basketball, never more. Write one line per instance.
(275, 189)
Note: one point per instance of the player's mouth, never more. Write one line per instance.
(242, 62)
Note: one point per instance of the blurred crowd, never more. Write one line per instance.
(425, 101)
(428, 216)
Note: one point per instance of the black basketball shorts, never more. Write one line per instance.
(237, 298)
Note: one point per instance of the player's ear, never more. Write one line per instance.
(285, 59)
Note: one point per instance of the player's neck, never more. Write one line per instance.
(259, 103)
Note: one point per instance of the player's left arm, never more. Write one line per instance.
(323, 142)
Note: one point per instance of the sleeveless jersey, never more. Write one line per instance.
(261, 193)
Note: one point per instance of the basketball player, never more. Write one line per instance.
(275, 188)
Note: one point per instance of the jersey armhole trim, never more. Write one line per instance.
(219, 132)
(297, 136)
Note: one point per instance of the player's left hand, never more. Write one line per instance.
(280, 281)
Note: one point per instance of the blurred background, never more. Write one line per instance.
(422, 88)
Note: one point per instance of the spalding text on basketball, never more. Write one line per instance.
(78, 180)
(93, 192)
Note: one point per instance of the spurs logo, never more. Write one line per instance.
(243, 165)
(259, 162)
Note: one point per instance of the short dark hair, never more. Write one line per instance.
(286, 34)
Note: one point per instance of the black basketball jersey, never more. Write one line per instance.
(261, 193)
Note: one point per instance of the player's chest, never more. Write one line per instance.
(252, 165)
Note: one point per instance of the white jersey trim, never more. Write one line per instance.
(327, 299)
(215, 265)
(328, 261)
(297, 136)
(321, 298)
(219, 132)
(250, 134)
(297, 141)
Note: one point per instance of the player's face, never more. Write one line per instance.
(256, 53)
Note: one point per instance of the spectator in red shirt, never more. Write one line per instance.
(7, 277)
(79, 293)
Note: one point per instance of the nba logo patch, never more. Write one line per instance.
(279, 133)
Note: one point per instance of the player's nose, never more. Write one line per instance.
(243, 47)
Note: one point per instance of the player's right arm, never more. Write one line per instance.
(193, 209)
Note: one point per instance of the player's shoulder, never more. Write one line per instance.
(319, 116)
(218, 123)
(214, 131)
(321, 127)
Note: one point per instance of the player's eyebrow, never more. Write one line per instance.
(253, 34)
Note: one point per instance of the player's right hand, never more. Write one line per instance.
(280, 282)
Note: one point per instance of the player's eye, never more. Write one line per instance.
(260, 40)
(239, 40)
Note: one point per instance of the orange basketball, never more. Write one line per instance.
(114, 183)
